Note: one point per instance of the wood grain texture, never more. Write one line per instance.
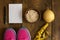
(38, 5)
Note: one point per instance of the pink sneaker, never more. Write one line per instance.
(10, 34)
(23, 34)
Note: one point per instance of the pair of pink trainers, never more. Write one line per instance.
(23, 34)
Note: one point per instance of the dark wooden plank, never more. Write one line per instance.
(3, 27)
(56, 23)
(39, 5)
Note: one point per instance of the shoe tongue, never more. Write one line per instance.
(24, 38)
(11, 39)
(24, 34)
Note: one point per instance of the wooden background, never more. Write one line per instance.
(40, 6)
